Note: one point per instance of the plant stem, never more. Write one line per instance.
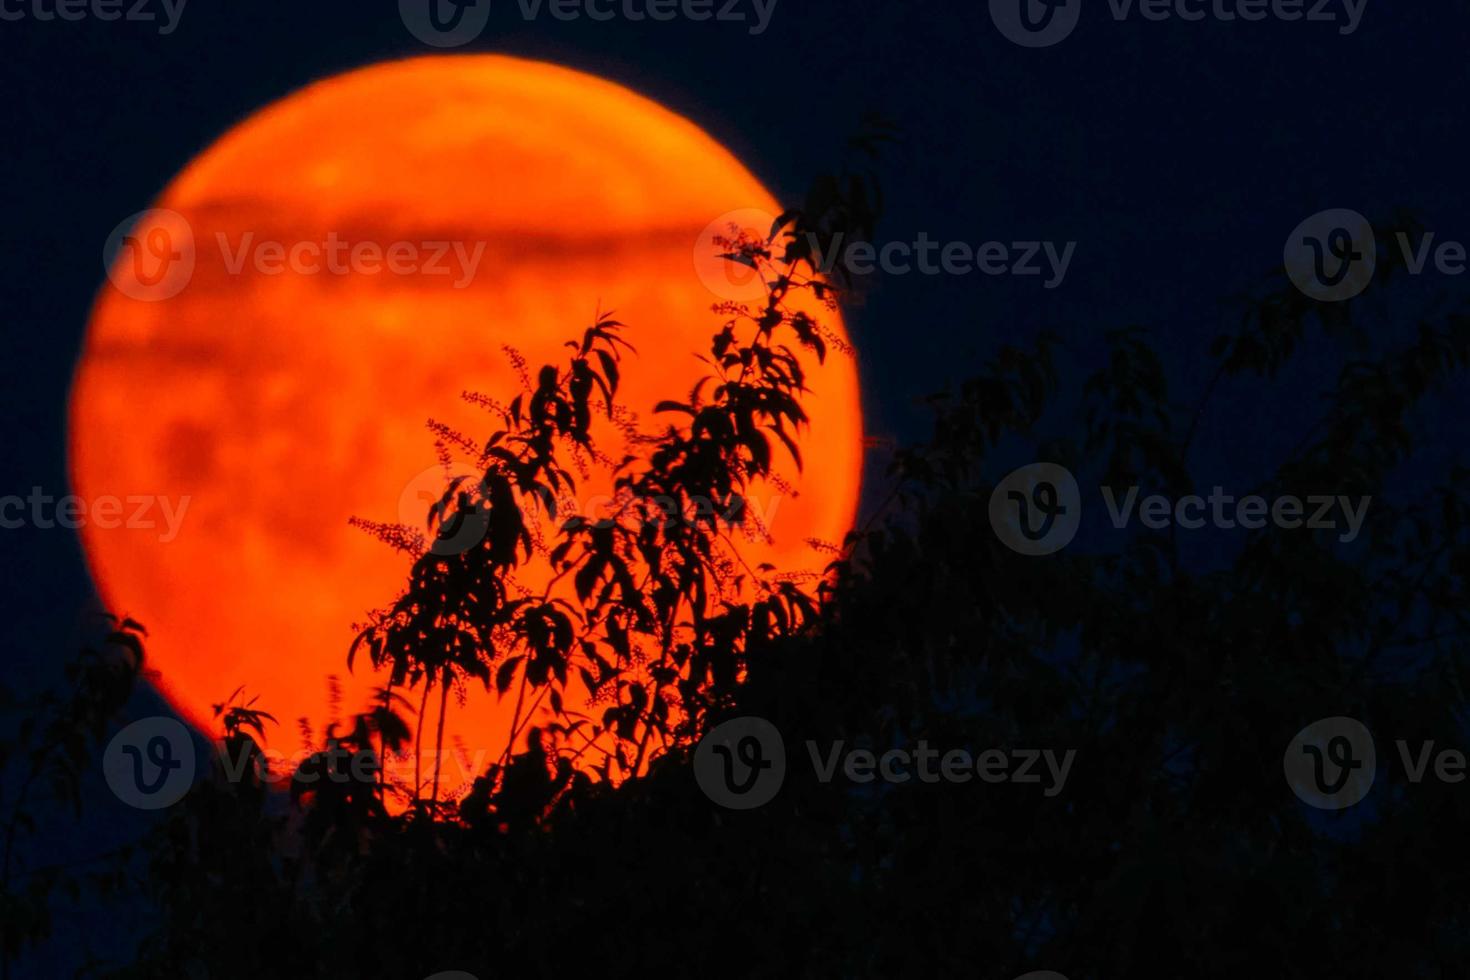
(418, 740)
(439, 736)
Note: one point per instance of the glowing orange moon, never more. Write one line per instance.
(271, 343)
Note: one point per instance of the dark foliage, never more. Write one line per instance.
(1176, 850)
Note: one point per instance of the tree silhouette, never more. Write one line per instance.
(1177, 674)
(46, 756)
(649, 607)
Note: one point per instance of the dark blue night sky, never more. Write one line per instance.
(1176, 155)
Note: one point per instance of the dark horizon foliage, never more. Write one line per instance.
(1177, 849)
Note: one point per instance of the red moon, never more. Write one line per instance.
(336, 270)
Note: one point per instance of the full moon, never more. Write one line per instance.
(277, 329)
